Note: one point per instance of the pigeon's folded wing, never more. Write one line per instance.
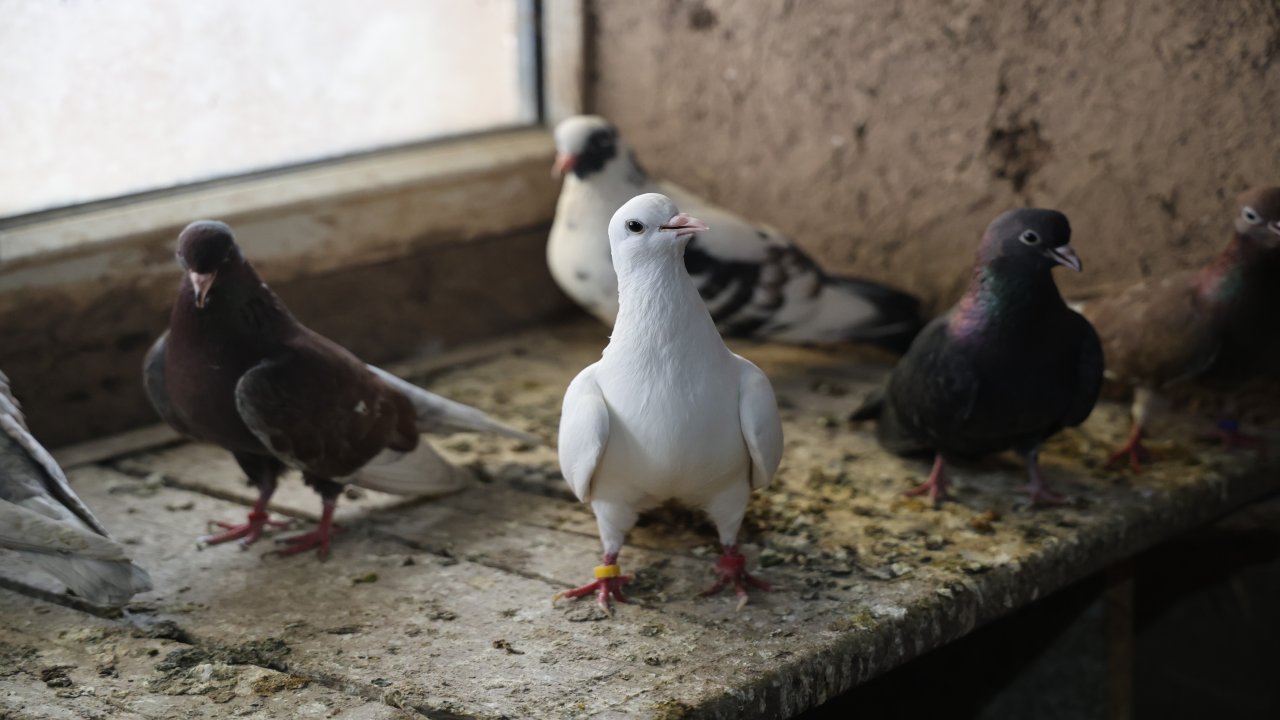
(584, 432)
(320, 411)
(761, 427)
(29, 531)
(153, 381)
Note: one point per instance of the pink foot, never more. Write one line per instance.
(936, 485)
(1133, 450)
(1038, 492)
(317, 539)
(732, 568)
(247, 533)
(608, 584)
(1232, 438)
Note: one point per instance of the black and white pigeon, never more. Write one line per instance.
(42, 518)
(1007, 367)
(755, 281)
(236, 369)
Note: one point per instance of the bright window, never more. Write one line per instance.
(110, 98)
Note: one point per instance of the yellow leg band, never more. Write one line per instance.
(607, 571)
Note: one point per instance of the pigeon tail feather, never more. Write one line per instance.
(421, 471)
(896, 315)
(442, 416)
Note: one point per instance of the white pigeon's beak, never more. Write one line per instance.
(1064, 255)
(563, 164)
(684, 224)
(202, 282)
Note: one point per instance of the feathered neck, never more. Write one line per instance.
(657, 300)
(239, 303)
(1003, 293)
(1227, 279)
(620, 168)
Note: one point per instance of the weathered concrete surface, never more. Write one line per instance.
(441, 606)
(884, 136)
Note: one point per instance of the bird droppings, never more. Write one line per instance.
(864, 580)
(272, 684)
(365, 579)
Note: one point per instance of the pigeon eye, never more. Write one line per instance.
(1030, 237)
(635, 227)
(1251, 216)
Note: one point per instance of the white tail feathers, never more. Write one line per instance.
(442, 416)
(419, 472)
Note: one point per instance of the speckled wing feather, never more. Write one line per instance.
(320, 410)
(1156, 333)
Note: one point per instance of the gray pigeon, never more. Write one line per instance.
(41, 517)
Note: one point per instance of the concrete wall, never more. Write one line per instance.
(884, 136)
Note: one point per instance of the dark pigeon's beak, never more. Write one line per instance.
(1064, 255)
(564, 163)
(202, 282)
(684, 224)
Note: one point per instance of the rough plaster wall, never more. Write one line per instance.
(884, 136)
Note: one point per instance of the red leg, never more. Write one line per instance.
(249, 532)
(1038, 489)
(732, 568)
(608, 584)
(1232, 438)
(1132, 449)
(317, 539)
(936, 485)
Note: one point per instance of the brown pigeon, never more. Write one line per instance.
(1197, 324)
(42, 518)
(236, 369)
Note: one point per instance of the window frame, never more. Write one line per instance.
(52, 236)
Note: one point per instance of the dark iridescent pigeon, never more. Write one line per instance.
(236, 369)
(1197, 324)
(1007, 367)
(755, 281)
(42, 518)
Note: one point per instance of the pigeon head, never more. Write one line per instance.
(1258, 216)
(206, 247)
(648, 223)
(1029, 238)
(584, 145)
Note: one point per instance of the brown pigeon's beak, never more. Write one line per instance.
(684, 224)
(564, 163)
(1064, 255)
(202, 282)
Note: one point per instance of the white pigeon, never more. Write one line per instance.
(756, 282)
(668, 412)
(42, 518)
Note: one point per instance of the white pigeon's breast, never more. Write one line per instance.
(674, 438)
(578, 250)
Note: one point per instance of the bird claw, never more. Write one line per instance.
(604, 588)
(1040, 496)
(937, 492)
(1232, 438)
(732, 568)
(317, 540)
(1136, 453)
(247, 533)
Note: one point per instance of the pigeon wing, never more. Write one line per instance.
(584, 432)
(761, 427)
